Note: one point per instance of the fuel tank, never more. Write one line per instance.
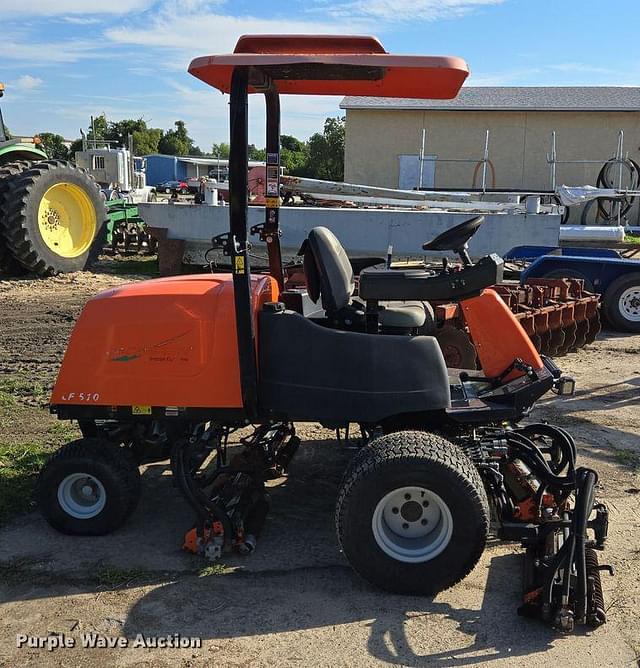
(168, 342)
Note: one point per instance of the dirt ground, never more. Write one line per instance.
(294, 601)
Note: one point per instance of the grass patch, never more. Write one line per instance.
(20, 387)
(631, 239)
(214, 569)
(113, 577)
(63, 431)
(16, 570)
(628, 458)
(19, 466)
(6, 399)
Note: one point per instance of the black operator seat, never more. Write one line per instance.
(329, 277)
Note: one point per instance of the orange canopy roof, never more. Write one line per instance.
(334, 65)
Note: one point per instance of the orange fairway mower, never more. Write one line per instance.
(169, 368)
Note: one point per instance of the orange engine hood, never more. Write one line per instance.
(169, 342)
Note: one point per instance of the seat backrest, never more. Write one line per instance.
(327, 269)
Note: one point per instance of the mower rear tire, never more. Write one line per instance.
(54, 218)
(621, 302)
(89, 487)
(412, 514)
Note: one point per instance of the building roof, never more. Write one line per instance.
(515, 98)
(212, 161)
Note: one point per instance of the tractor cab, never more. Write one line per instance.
(17, 149)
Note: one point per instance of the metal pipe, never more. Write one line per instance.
(3, 136)
(620, 162)
(552, 162)
(272, 185)
(424, 134)
(132, 167)
(485, 160)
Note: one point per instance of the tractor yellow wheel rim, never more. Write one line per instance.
(67, 220)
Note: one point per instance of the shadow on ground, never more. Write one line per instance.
(284, 601)
(296, 580)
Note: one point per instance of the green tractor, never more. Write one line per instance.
(52, 214)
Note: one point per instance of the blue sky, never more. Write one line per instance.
(63, 60)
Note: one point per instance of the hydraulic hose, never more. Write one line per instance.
(584, 503)
(203, 506)
(531, 455)
(560, 438)
(607, 180)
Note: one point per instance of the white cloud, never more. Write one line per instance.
(206, 112)
(405, 10)
(27, 82)
(80, 20)
(582, 68)
(504, 78)
(11, 8)
(46, 53)
(556, 74)
(201, 33)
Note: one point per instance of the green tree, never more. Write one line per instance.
(176, 141)
(145, 139)
(220, 150)
(53, 145)
(294, 155)
(145, 142)
(99, 128)
(119, 131)
(326, 151)
(256, 153)
(96, 130)
(75, 146)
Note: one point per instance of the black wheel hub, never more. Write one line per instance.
(411, 511)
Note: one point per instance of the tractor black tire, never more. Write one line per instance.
(429, 327)
(618, 308)
(111, 465)
(571, 273)
(20, 226)
(9, 266)
(402, 461)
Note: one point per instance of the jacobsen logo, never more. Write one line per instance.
(163, 351)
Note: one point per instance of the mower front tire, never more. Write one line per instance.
(412, 514)
(89, 487)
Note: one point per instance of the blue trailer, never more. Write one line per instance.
(603, 270)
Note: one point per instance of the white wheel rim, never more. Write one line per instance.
(629, 304)
(412, 524)
(82, 496)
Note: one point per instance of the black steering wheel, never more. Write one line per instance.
(456, 238)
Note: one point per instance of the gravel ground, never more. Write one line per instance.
(295, 601)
